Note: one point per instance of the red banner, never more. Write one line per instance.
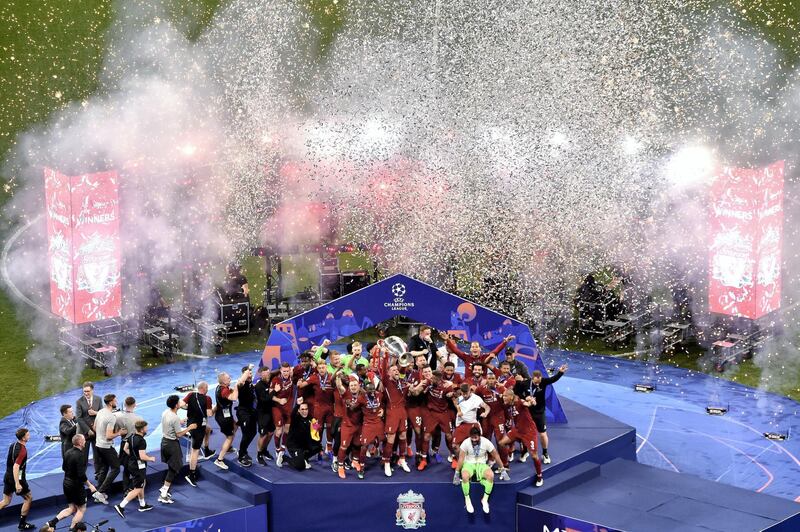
(746, 233)
(84, 245)
(770, 240)
(59, 244)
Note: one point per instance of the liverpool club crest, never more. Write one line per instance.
(410, 513)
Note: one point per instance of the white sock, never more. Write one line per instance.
(142, 503)
(164, 491)
(124, 503)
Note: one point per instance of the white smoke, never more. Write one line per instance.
(527, 143)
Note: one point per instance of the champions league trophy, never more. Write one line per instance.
(398, 349)
(395, 345)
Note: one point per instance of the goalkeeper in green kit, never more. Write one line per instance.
(473, 456)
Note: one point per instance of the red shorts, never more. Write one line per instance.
(324, 414)
(462, 432)
(527, 438)
(416, 417)
(494, 424)
(371, 432)
(396, 420)
(282, 414)
(349, 435)
(438, 419)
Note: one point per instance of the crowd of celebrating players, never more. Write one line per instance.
(383, 403)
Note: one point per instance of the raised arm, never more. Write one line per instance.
(502, 345)
(337, 379)
(453, 348)
(321, 352)
(554, 378)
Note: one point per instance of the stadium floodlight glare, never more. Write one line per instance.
(188, 149)
(691, 166)
(375, 131)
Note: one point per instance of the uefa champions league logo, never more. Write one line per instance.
(410, 512)
(398, 303)
(398, 290)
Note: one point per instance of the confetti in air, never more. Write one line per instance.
(511, 147)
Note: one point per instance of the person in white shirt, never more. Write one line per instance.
(473, 457)
(467, 405)
(107, 458)
(171, 453)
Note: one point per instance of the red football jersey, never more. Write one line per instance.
(437, 396)
(507, 378)
(354, 408)
(287, 388)
(396, 392)
(493, 398)
(322, 386)
(473, 381)
(414, 377)
(455, 378)
(372, 407)
(338, 404)
(521, 416)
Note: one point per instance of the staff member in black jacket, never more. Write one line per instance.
(518, 369)
(74, 480)
(67, 428)
(301, 444)
(246, 415)
(264, 414)
(198, 409)
(539, 385)
(423, 344)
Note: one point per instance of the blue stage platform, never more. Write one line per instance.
(282, 499)
(588, 436)
(625, 495)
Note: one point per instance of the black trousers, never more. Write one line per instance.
(249, 425)
(336, 431)
(90, 442)
(106, 467)
(124, 458)
(172, 455)
(296, 457)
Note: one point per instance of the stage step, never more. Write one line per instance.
(559, 483)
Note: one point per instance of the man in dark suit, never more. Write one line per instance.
(86, 409)
(67, 428)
